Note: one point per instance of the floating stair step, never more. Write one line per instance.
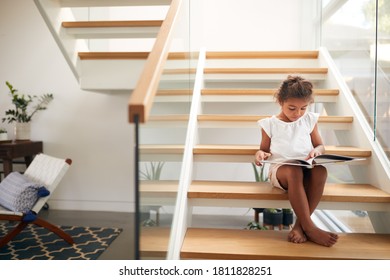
(260, 95)
(113, 24)
(263, 54)
(154, 242)
(235, 244)
(223, 153)
(257, 92)
(260, 73)
(125, 55)
(114, 70)
(219, 120)
(238, 95)
(158, 192)
(263, 195)
(251, 150)
(263, 74)
(112, 55)
(153, 153)
(113, 3)
(111, 71)
(113, 29)
(240, 121)
(266, 71)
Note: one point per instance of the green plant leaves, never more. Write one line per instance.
(22, 103)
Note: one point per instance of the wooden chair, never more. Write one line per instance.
(48, 171)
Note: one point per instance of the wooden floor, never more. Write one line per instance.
(258, 244)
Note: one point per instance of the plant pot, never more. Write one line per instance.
(22, 131)
(288, 217)
(272, 217)
(3, 136)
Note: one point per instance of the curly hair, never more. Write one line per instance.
(294, 87)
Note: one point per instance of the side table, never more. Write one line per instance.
(10, 150)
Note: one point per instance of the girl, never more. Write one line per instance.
(293, 133)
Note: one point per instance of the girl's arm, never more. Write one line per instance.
(317, 142)
(264, 151)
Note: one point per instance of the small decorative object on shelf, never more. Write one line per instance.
(22, 115)
(3, 134)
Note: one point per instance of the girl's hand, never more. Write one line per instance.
(313, 153)
(260, 156)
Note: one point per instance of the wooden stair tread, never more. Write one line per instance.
(154, 242)
(156, 149)
(112, 3)
(163, 188)
(262, 54)
(174, 92)
(268, 244)
(251, 150)
(241, 118)
(112, 55)
(112, 23)
(264, 191)
(268, 91)
(126, 55)
(275, 70)
(244, 91)
(241, 150)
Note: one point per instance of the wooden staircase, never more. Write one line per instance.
(237, 90)
(233, 243)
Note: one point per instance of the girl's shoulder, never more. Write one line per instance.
(312, 117)
(266, 121)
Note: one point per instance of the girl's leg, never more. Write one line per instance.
(314, 183)
(292, 178)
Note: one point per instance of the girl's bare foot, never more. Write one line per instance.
(322, 237)
(296, 235)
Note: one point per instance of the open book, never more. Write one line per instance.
(318, 160)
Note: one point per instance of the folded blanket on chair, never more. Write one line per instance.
(19, 194)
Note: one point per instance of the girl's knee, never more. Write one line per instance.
(320, 171)
(295, 170)
(291, 172)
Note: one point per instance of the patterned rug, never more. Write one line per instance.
(36, 243)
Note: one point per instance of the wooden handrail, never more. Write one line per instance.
(141, 100)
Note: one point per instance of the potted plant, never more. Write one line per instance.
(153, 172)
(26, 106)
(273, 217)
(3, 134)
(255, 226)
(260, 176)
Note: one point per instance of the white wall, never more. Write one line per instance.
(256, 24)
(89, 127)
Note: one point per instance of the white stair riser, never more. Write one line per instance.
(117, 32)
(110, 74)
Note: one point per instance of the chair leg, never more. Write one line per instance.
(11, 234)
(42, 223)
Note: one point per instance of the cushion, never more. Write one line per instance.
(19, 194)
